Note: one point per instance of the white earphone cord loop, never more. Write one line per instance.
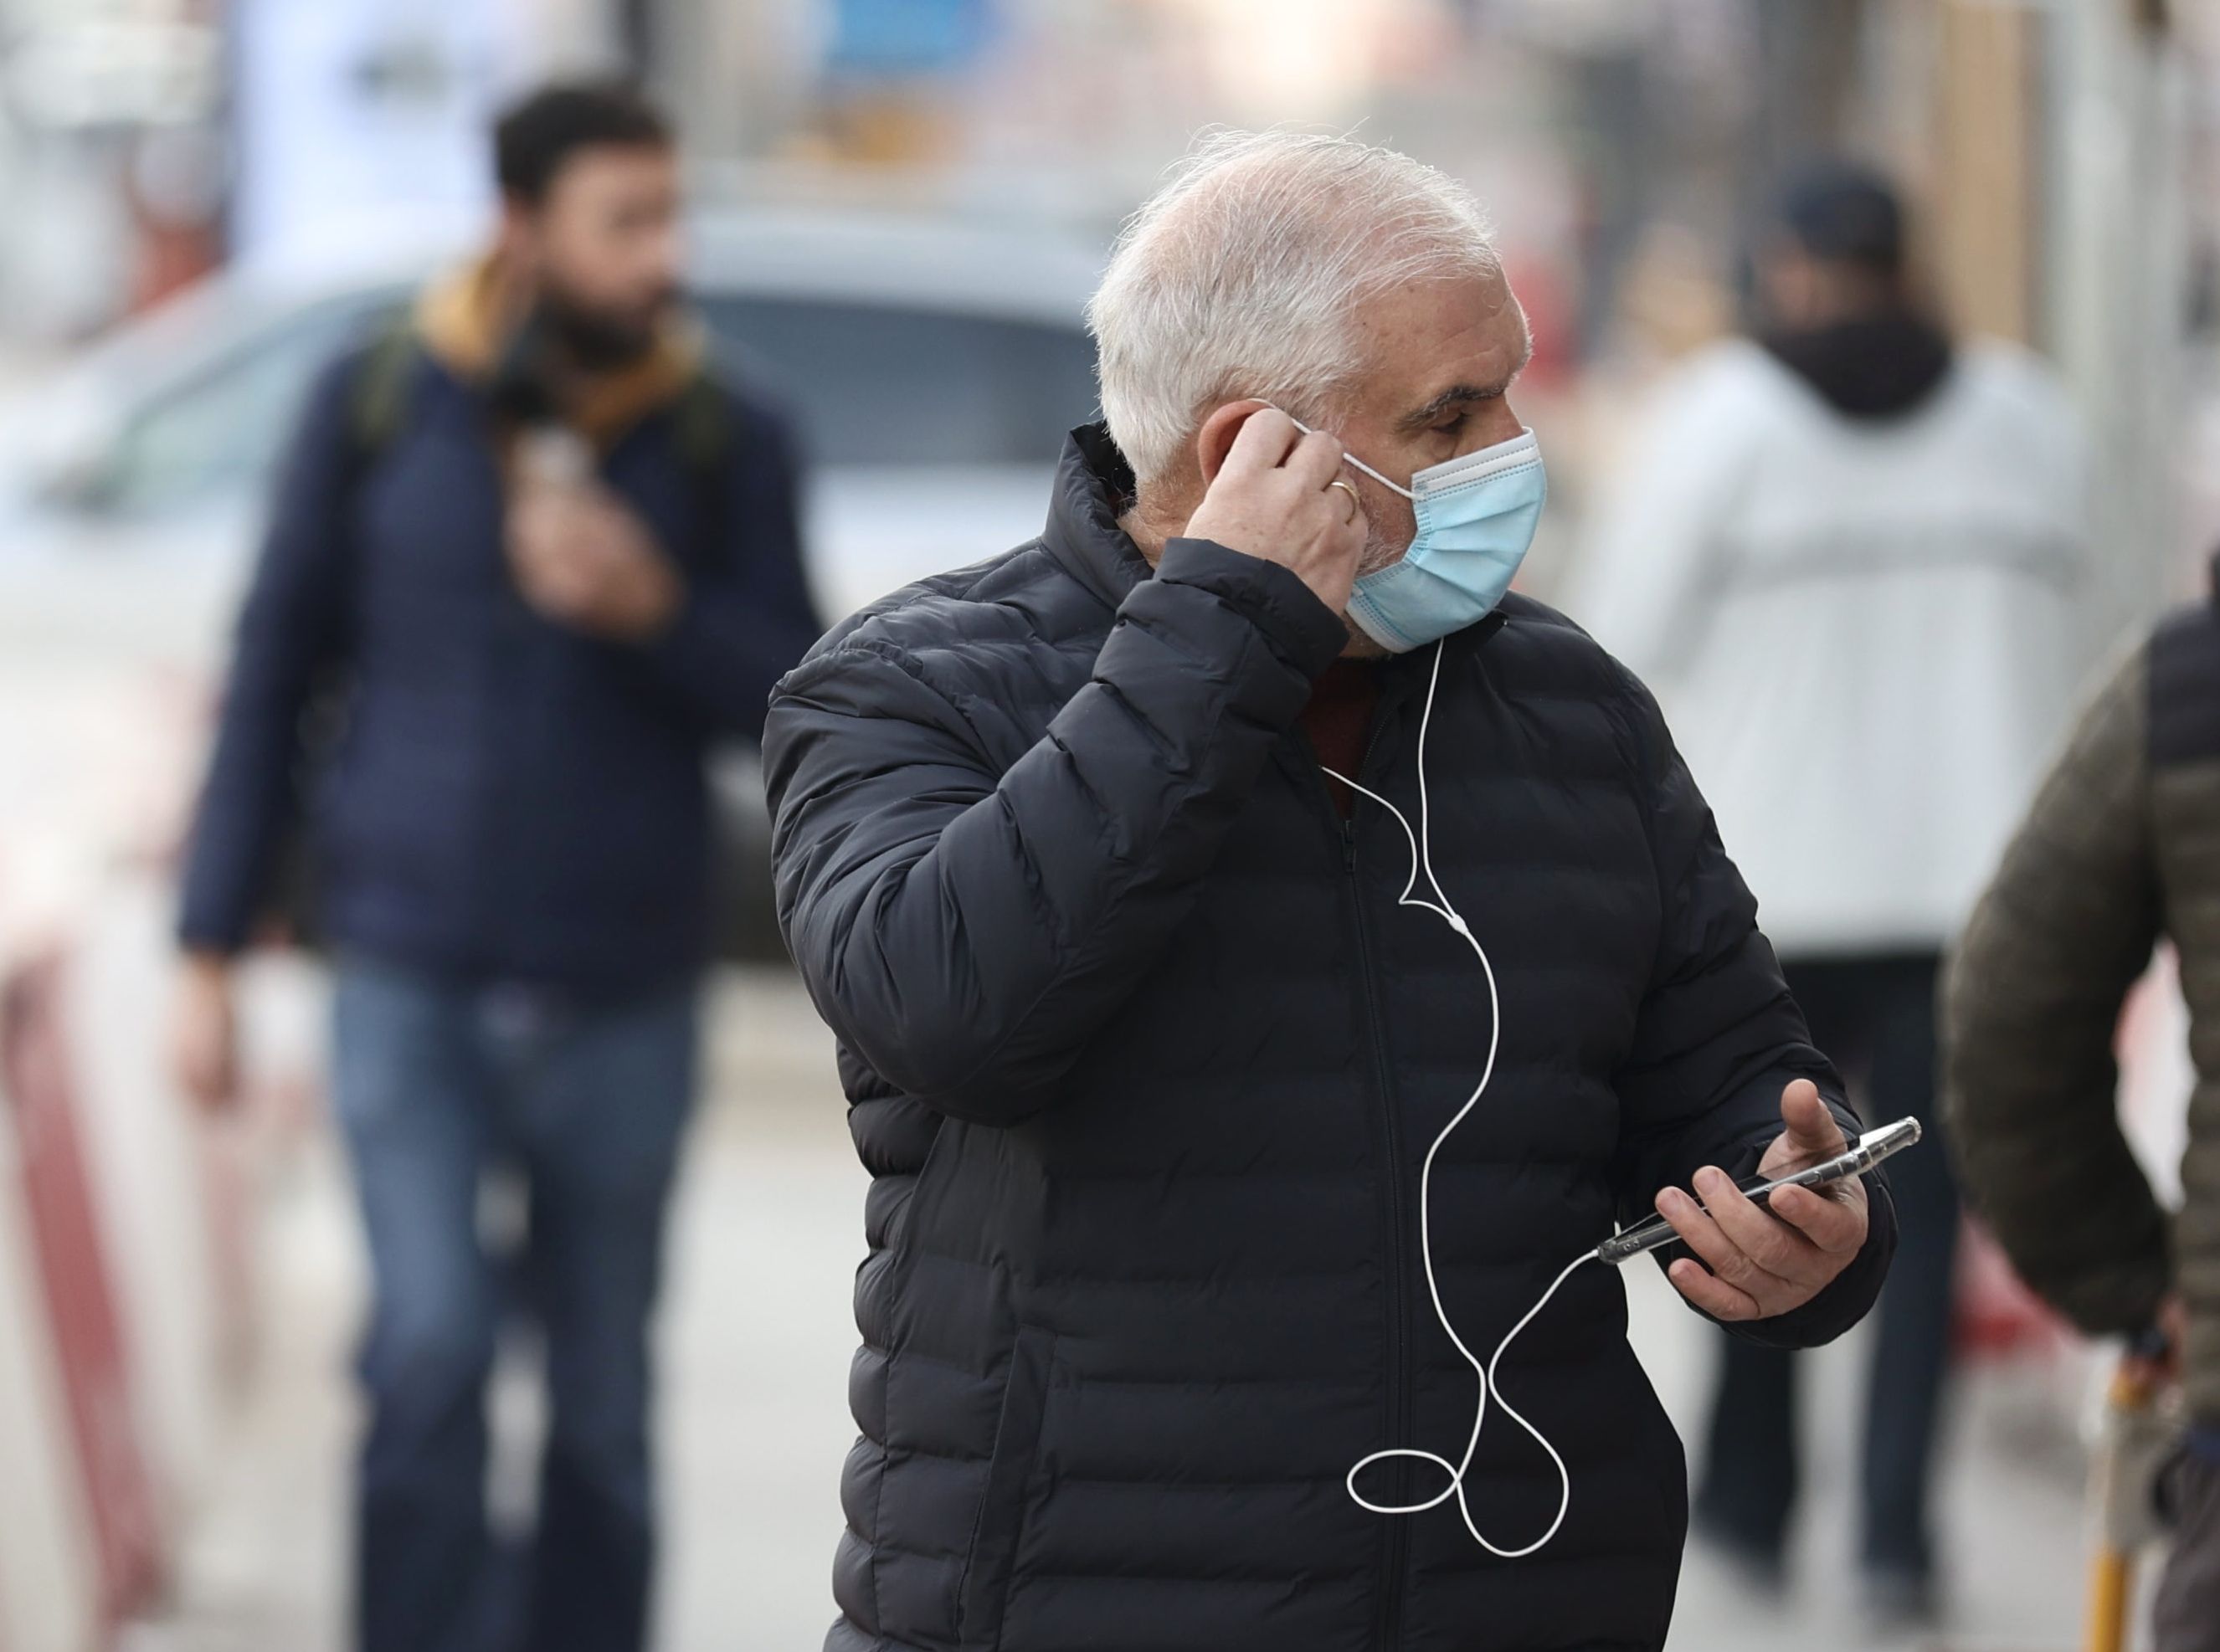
(1422, 860)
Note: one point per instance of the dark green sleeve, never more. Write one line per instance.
(2031, 1003)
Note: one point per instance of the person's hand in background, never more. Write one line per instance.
(1756, 1261)
(2154, 1360)
(205, 1032)
(583, 560)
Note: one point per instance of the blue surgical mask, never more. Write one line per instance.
(1476, 516)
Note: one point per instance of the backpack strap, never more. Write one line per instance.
(702, 428)
(380, 393)
(702, 421)
(378, 406)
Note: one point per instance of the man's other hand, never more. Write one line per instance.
(1274, 497)
(581, 558)
(1757, 1262)
(2158, 1364)
(205, 1032)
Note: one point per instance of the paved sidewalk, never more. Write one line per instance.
(754, 1377)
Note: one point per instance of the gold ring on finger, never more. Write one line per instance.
(1355, 504)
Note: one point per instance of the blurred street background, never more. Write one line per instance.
(899, 207)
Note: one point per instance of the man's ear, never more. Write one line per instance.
(1787, 285)
(1214, 440)
(518, 234)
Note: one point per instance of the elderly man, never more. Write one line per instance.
(1265, 957)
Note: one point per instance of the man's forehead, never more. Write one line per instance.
(1442, 341)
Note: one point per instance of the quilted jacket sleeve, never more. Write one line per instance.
(1719, 1039)
(289, 630)
(2029, 1008)
(966, 929)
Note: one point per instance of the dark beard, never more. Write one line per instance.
(599, 341)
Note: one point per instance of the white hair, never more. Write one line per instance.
(1243, 275)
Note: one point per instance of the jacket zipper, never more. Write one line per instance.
(1390, 1584)
(1394, 1551)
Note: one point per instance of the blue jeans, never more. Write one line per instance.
(434, 1083)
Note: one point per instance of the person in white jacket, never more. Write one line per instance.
(1850, 558)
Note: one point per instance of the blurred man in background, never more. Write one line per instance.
(2116, 851)
(1849, 559)
(549, 558)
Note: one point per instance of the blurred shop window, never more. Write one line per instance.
(873, 384)
(908, 37)
(220, 431)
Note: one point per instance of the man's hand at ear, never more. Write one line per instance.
(1757, 1262)
(1271, 494)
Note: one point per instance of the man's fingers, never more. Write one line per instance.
(1811, 1124)
(1315, 461)
(202, 1076)
(560, 585)
(1835, 1222)
(537, 542)
(1726, 1259)
(1766, 1260)
(1262, 442)
(1714, 1295)
(1773, 1246)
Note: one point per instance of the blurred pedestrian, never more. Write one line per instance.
(2116, 852)
(1850, 560)
(1204, 1161)
(549, 553)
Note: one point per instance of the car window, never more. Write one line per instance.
(869, 384)
(878, 385)
(222, 428)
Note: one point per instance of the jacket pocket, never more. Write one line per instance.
(985, 1591)
(942, 1147)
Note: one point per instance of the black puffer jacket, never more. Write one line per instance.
(1145, 1061)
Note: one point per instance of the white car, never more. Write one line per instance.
(933, 369)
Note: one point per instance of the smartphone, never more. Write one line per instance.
(1866, 1152)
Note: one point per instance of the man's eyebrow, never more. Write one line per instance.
(1457, 395)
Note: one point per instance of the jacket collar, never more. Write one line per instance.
(466, 320)
(1093, 488)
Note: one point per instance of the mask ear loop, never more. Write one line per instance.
(1348, 457)
(1351, 458)
(1422, 859)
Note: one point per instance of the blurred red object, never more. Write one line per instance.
(1544, 296)
(1997, 1317)
(87, 1333)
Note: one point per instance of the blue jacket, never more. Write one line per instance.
(508, 798)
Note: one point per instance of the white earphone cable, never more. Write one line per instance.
(1422, 859)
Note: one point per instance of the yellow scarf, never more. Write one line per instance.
(466, 321)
